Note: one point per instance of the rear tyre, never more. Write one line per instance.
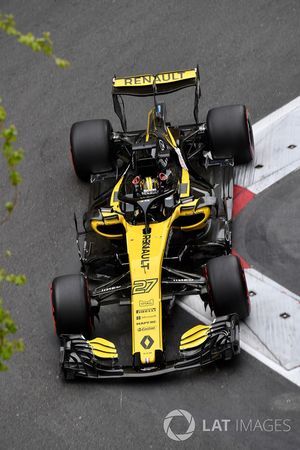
(230, 133)
(71, 305)
(91, 147)
(227, 288)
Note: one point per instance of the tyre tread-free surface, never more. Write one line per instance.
(230, 133)
(90, 147)
(227, 286)
(70, 303)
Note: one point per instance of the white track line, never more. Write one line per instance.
(268, 337)
(273, 135)
(292, 375)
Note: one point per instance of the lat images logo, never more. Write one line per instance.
(187, 417)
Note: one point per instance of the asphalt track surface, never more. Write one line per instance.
(248, 53)
(266, 239)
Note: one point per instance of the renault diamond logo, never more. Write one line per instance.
(147, 342)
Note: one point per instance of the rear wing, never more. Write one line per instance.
(152, 85)
(161, 83)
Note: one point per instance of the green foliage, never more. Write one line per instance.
(8, 327)
(13, 156)
(7, 346)
(42, 44)
(63, 63)
(18, 280)
(2, 113)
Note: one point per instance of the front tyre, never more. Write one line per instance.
(227, 288)
(71, 305)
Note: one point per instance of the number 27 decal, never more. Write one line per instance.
(143, 286)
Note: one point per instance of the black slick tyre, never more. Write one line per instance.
(71, 305)
(91, 147)
(230, 133)
(227, 288)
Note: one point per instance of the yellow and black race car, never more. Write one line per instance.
(162, 199)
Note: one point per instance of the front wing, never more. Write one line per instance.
(78, 358)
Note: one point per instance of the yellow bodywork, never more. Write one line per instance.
(161, 78)
(103, 348)
(194, 337)
(146, 253)
(151, 127)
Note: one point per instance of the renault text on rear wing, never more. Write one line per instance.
(163, 82)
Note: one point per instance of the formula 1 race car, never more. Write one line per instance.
(158, 227)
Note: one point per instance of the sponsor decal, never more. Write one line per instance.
(149, 302)
(143, 311)
(145, 256)
(148, 79)
(146, 329)
(146, 317)
(147, 322)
